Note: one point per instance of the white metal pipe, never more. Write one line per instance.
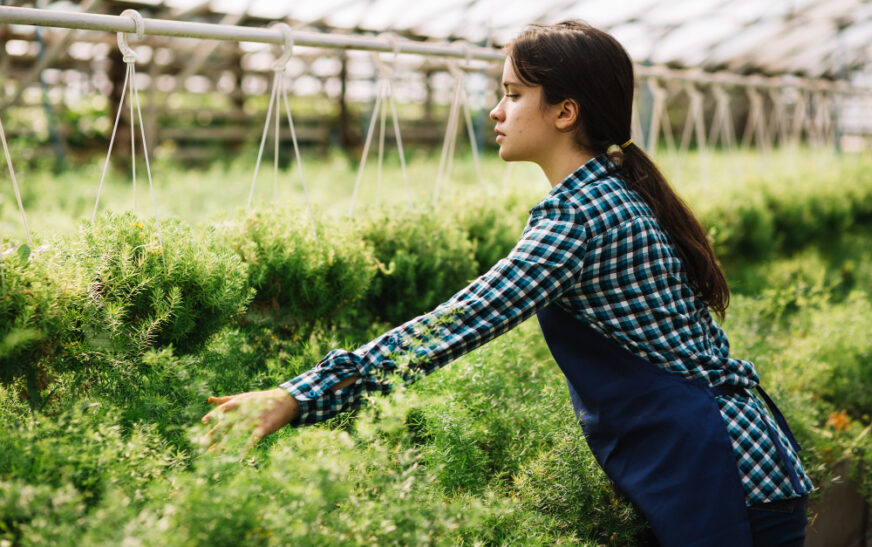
(701, 77)
(183, 29)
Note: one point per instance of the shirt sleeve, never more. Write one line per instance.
(544, 264)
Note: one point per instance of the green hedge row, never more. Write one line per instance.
(486, 451)
(111, 289)
(764, 217)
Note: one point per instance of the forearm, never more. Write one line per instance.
(543, 265)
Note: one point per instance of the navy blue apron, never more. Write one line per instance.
(657, 435)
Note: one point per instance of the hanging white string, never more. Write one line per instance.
(507, 174)
(381, 150)
(384, 95)
(269, 110)
(15, 184)
(277, 79)
(111, 143)
(453, 144)
(279, 89)
(459, 74)
(400, 146)
(299, 161)
(132, 146)
(448, 142)
(473, 142)
(145, 155)
(388, 73)
(129, 58)
(369, 132)
(460, 100)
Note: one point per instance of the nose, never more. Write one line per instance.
(496, 113)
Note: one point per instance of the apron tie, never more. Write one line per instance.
(724, 390)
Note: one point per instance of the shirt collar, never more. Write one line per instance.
(596, 168)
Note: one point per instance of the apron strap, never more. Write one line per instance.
(779, 419)
(782, 423)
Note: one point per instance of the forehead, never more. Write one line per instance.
(509, 71)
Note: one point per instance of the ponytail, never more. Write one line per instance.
(703, 271)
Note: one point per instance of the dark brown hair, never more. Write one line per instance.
(572, 60)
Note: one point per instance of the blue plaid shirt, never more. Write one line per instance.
(593, 246)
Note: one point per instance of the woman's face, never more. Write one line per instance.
(523, 129)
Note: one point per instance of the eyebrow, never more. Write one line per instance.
(510, 82)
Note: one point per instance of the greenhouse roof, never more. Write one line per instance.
(812, 38)
(816, 38)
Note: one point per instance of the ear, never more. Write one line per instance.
(567, 114)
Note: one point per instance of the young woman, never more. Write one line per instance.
(623, 281)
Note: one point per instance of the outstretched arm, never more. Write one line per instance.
(544, 264)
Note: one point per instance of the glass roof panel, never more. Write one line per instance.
(746, 35)
(383, 14)
(315, 11)
(676, 13)
(636, 39)
(745, 41)
(832, 8)
(418, 13)
(347, 16)
(607, 13)
(690, 43)
(793, 40)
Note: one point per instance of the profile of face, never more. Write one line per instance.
(526, 128)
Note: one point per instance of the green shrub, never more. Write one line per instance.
(493, 223)
(300, 283)
(567, 483)
(786, 213)
(140, 295)
(424, 257)
(35, 310)
(55, 468)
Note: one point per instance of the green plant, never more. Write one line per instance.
(143, 292)
(301, 282)
(424, 258)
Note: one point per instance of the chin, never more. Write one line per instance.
(506, 155)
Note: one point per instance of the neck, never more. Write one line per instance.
(562, 162)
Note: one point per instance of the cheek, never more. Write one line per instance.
(521, 120)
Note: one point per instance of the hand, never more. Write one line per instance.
(264, 411)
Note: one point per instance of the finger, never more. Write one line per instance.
(214, 414)
(252, 442)
(220, 400)
(229, 405)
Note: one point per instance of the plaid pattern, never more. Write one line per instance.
(595, 248)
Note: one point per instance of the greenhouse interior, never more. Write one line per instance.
(206, 200)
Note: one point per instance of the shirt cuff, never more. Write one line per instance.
(316, 398)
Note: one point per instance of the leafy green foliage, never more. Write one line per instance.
(123, 343)
(35, 307)
(493, 225)
(144, 294)
(423, 260)
(567, 483)
(301, 282)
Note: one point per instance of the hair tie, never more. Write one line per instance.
(616, 153)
